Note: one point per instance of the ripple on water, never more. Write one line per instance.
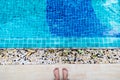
(108, 12)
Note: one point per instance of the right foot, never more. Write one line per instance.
(56, 74)
(65, 74)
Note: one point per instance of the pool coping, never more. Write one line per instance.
(60, 42)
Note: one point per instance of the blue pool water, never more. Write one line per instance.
(59, 23)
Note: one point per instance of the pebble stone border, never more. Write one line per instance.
(59, 56)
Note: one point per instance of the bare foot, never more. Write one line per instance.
(56, 74)
(65, 74)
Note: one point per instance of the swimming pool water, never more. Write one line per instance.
(59, 23)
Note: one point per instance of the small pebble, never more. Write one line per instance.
(56, 56)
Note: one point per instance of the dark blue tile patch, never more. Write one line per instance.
(73, 18)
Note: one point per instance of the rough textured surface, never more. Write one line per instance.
(59, 56)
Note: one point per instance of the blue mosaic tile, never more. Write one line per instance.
(59, 23)
(70, 18)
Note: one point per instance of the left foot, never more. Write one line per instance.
(56, 74)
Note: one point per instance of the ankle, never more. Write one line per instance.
(64, 79)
